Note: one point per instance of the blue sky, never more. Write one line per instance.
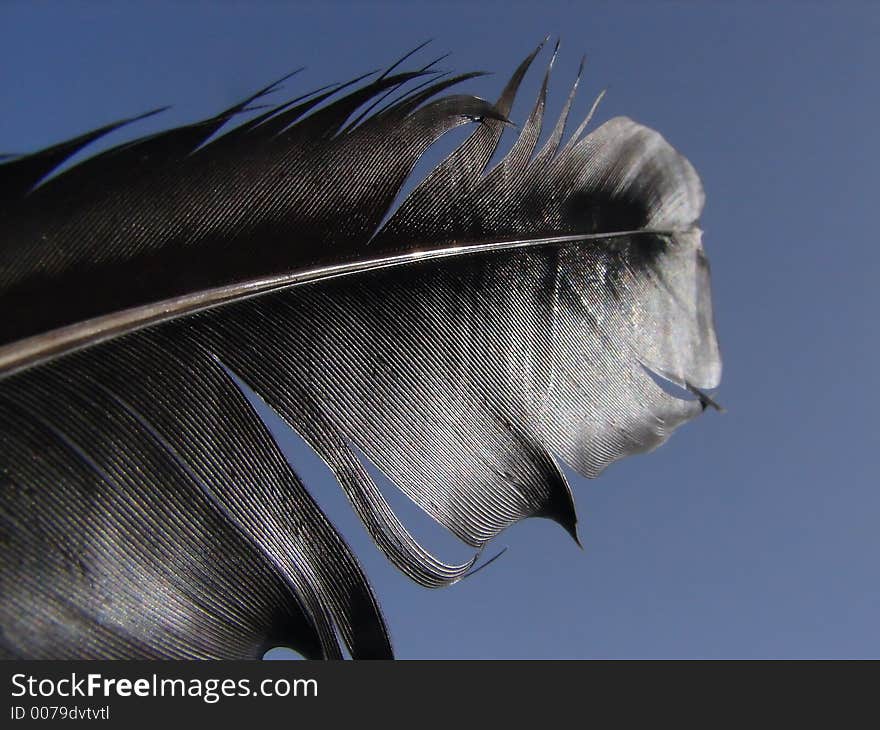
(750, 534)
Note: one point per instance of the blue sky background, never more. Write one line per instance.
(750, 534)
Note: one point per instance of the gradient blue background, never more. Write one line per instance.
(750, 534)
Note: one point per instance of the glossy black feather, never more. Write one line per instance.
(499, 320)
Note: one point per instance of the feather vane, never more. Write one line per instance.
(496, 322)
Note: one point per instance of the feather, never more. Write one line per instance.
(496, 322)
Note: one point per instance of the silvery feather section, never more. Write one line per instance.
(499, 322)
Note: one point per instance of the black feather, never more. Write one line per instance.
(496, 322)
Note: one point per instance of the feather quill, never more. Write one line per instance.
(496, 322)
